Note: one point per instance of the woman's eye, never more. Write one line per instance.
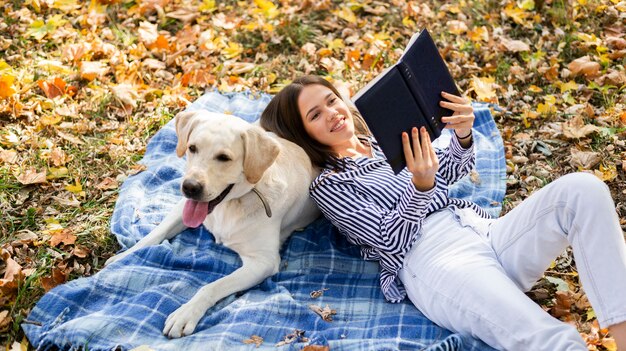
(317, 114)
(333, 100)
(192, 149)
(223, 158)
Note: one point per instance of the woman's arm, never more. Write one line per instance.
(367, 223)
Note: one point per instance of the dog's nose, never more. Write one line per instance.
(191, 188)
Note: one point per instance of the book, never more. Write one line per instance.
(407, 95)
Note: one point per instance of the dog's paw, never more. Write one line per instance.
(183, 321)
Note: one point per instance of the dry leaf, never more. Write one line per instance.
(316, 348)
(484, 88)
(584, 66)
(8, 156)
(514, 45)
(254, 339)
(64, 236)
(57, 277)
(107, 183)
(5, 321)
(326, 313)
(80, 251)
(584, 159)
(126, 94)
(91, 70)
(147, 33)
(576, 128)
(31, 176)
(13, 275)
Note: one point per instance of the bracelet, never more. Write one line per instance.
(463, 138)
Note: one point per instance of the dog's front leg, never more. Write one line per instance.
(171, 225)
(254, 270)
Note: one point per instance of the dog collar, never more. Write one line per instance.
(268, 210)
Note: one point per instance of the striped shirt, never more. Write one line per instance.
(383, 212)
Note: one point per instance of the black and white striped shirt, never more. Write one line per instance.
(382, 212)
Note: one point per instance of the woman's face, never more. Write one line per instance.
(325, 116)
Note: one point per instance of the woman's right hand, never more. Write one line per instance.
(421, 160)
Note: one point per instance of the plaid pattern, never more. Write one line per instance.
(125, 305)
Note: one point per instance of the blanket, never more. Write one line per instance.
(124, 306)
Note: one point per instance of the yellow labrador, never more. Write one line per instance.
(249, 188)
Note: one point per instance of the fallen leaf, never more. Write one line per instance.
(254, 339)
(64, 236)
(91, 70)
(576, 128)
(5, 321)
(6, 86)
(107, 183)
(56, 277)
(326, 313)
(584, 66)
(53, 88)
(316, 348)
(12, 275)
(584, 159)
(31, 176)
(147, 33)
(80, 251)
(484, 88)
(514, 45)
(126, 94)
(8, 156)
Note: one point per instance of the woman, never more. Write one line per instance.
(462, 270)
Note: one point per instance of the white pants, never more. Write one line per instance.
(468, 274)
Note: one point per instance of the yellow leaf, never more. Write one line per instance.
(408, 22)
(56, 173)
(478, 34)
(607, 173)
(571, 85)
(233, 50)
(548, 107)
(207, 5)
(589, 39)
(534, 89)
(4, 67)
(77, 188)
(39, 29)
(6, 86)
(484, 88)
(609, 344)
(47, 120)
(336, 44)
(527, 5)
(65, 5)
(345, 14)
(268, 9)
(518, 15)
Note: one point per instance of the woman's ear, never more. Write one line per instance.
(183, 129)
(260, 151)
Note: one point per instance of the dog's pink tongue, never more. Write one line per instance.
(194, 213)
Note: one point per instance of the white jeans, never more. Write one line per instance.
(468, 274)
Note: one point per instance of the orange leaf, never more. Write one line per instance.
(62, 236)
(6, 86)
(52, 89)
(584, 66)
(56, 278)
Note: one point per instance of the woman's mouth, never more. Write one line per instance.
(339, 125)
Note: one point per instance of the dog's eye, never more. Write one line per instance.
(192, 149)
(223, 158)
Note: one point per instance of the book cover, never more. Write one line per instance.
(407, 95)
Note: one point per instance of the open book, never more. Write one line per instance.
(407, 95)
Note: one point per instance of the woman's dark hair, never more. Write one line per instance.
(282, 117)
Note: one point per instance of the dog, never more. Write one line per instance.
(249, 188)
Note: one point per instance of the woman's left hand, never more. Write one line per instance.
(462, 119)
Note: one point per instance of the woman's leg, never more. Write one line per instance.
(454, 278)
(575, 209)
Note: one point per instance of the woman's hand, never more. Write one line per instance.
(421, 161)
(462, 119)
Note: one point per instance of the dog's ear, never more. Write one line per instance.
(183, 129)
(260, 151)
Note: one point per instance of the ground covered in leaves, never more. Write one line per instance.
(83, 86)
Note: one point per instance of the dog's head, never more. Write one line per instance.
(222, 152)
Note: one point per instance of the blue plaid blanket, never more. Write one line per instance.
(124, 306)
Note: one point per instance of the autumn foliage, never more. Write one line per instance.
(83, 85)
